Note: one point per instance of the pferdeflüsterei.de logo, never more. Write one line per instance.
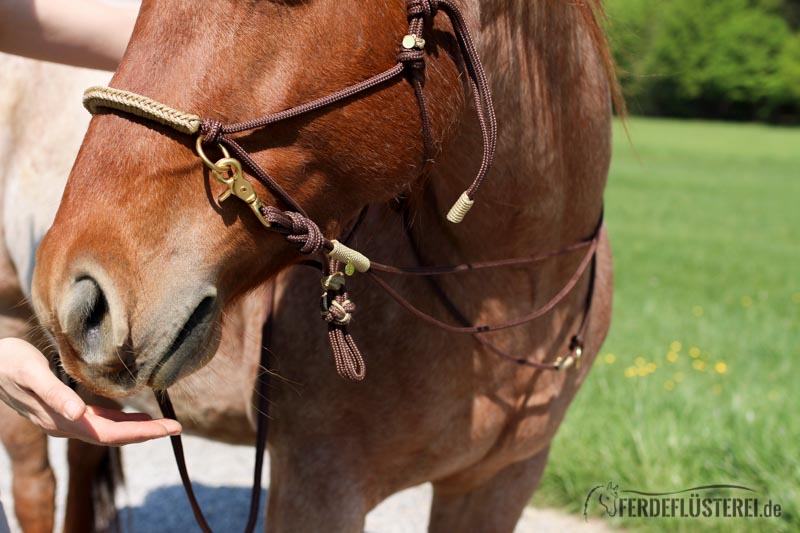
(708, 501)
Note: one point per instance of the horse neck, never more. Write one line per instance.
(552, 102)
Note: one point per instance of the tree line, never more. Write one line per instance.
(723, 59)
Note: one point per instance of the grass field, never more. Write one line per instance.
(698, 381)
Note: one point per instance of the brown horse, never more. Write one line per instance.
(134, 278)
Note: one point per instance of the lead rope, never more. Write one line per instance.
(262, 429)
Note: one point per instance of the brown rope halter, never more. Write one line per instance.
(336, 307)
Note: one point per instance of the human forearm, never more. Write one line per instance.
(88, 33)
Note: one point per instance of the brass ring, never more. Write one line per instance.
(213, 166)
(228, 163)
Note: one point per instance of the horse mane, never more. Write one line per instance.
(526, 16)
(593, 16)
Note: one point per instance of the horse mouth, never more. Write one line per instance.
(189, 349)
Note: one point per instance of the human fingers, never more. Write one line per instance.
(116, 415)
(101, 430)
(26, 380)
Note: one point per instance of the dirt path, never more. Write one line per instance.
(222, 474)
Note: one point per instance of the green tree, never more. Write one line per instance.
(710, 58)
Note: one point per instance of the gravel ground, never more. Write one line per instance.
(221, 475)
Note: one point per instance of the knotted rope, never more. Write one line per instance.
(298, 229)
(337, 311)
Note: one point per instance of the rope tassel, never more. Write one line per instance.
(346, 355)
(338, 314)
(337, 311)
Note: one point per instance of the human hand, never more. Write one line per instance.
(29, 387)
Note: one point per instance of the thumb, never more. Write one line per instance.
(60, 397)
(73, 409)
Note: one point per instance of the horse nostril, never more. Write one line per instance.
(97, 308)
(87, 317)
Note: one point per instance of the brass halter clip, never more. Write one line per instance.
(229, 171)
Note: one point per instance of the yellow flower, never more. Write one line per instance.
(675, 346)
(700, 365)
(669, 385)
(630, 372)
(610, 358)
(746, 301)
(721, 367)
(651, 367)
(678, 376)
(642, 371)
(672, 357)
(694, 352)
(697, 310)
(640, 361)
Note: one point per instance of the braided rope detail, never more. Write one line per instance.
(141, 106)
(345, 254)
(346, 356)
(460, 208)
(300, 231)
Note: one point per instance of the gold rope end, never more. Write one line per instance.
(460, 208)
(347, 255)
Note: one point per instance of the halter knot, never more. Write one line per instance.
(299, 230)
(426, 8)
(211, 130)
(305, 233)
(412, 58)
(340, 310)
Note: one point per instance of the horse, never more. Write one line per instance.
(142, 265)
(39, 146)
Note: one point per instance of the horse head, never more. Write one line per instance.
(607, 496)
(142, 258)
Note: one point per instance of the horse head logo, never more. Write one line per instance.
(606, 495)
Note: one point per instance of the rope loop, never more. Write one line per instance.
(414, 59)
(211, 130)
(425, 8)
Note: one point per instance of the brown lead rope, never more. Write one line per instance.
(576, 342)
(533, 315)
(262, 426)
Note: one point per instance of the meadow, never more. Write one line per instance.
(697, 381)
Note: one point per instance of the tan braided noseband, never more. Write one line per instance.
(141, 106)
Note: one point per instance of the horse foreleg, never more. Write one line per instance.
(33, 483)
(304, 498)
(94, 472)
(494, 505)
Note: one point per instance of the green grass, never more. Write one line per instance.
(705, 230)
